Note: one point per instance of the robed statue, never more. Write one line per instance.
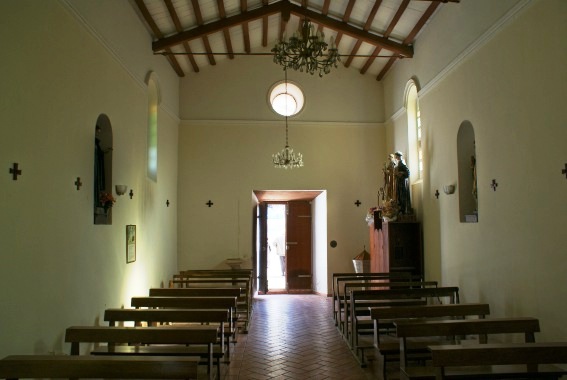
(401, 175)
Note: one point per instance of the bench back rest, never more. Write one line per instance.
(166, 315)
(195, 292)
(96, 367)
(390, 314)
(150, 335)
(357, 297)
(481, 327)
(185, 302)
(385, 276)
(499, 354)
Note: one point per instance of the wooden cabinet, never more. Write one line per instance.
(396, 247)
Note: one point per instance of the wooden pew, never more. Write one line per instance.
(153, 317)
(350, 286)
(183, 341)
(349, 276)
(487, 361)
(406, 331)
(383, 318)
(221, 278)
(358, 317)
(96, 367)
(229, 303)
(195, 292)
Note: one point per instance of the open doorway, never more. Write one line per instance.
(276, 223)
(300, 217)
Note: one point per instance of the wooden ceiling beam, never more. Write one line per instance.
(216, 26)
(158, 34)
(199, 17)
(366, 27)
(411, 36)
(245, 29)
(352, 31)
(178, 27)
(285, 8)
(225, 32)
(346, 17)
(265, 26)
(387, 33)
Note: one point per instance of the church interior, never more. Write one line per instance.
(193, 148)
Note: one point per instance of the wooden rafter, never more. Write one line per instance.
(205, 37)
(387, 33)
(324, 12)
(285, 8)
(158, 34)
(179, 28)
(426, 15)
(265, 26)
(225, 32)
(366, 27)
(346, 17)
(245, 29)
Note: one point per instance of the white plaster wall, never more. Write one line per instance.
(238, 90)
(511, 88)
(225, 161)
(58, 268)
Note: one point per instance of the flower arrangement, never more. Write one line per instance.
(106, 200)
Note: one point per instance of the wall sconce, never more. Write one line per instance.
(449, 189)
(121, 189)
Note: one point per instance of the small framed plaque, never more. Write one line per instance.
(130, 243)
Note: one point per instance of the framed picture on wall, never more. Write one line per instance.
(130, 243)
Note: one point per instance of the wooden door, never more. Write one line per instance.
(263, 251)
(298, 246)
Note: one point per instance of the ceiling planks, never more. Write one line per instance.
(380, 31)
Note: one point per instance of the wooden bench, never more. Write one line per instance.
(155, 317)
(406, 331)
(347, 287)
(488, 361)
(358, 316)
(227, 303)
(383, 317)
(339, 277)
(96, 367)
(179, 341)
(196, 292)
(221, 278)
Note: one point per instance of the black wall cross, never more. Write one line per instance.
(357, 203)
(209, 203)
(437, 193)
(78, 183)
(15, 171)
(494, 185)
(564, 171)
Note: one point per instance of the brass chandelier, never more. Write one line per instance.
(304, 51)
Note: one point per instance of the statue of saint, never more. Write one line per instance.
(401, 174)
(389, 180)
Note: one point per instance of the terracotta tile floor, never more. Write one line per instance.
(293, 337)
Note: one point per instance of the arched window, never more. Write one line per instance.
(103, 198)
(153, 103)
(415, 153)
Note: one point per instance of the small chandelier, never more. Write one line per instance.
(286, 158)
(304, 51)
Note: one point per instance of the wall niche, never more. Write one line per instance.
(466, 152)
(102, 204)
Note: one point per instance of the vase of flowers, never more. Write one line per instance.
(106, 200)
